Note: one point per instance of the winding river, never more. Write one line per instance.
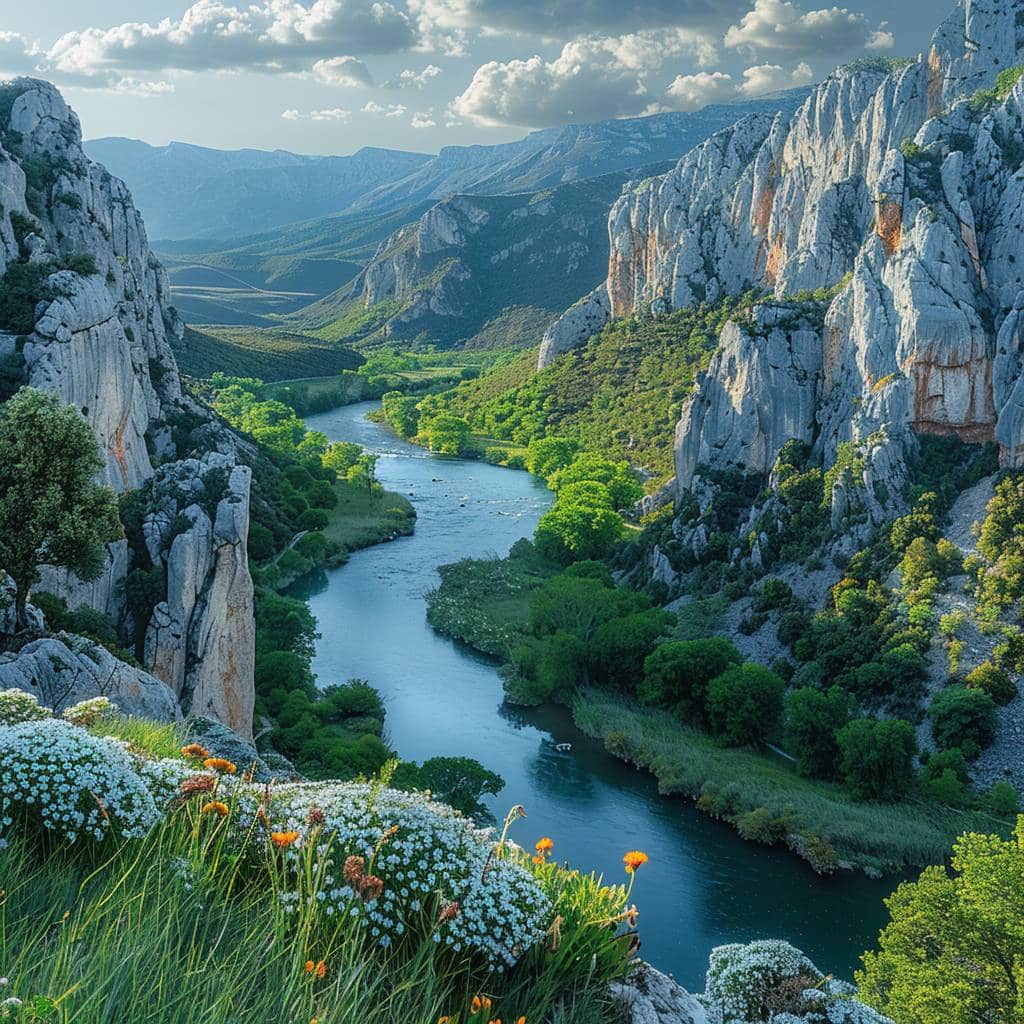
(704, 886)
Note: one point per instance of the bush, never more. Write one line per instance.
(18, 706)
(313, 519)
(676, 674)
(812, 720)
(960, 716)
(877, 758)
(1002, 799)
(993, 681)
(744, 704)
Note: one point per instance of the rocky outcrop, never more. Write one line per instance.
(100, 342)
(893, 202)
(583, 319)
(64, 670)
(650, 997)
(201, 639)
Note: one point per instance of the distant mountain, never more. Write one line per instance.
(574, 152)
(189, 191)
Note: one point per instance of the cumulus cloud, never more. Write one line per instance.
(592, 78)
(555, 18)
(782, 25)
(213, 35)
(384, 109)
(17, 55)
(423, 119)
(691, 92)
(344, 71)
(327, 114)
(409, 78)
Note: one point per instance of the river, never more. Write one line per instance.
(704, 886)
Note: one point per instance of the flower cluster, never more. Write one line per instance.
(772, 982)
(397, 861)
(71, 782)
(20, 706)
(87, 713)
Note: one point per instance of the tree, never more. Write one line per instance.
(953, 948)
(677, 673)
(580, 525)
(459, 782)
(812, 720)
(744, 704)
(444, 433)
(877, 757)
(52, 512)
(546, 455)
(579, 604)
(616, 476)
(341, 456)
(619, 647)
(962, 716)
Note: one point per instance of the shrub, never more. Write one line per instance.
(812, 720)
(87, 713)
(1002, 799)
(993, 681)
(960, 716)
(313, 519)
(21, 706)
(877, 757)
(55, 775)
(744, 704)
(677, 673)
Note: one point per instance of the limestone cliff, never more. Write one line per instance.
(98, 339)
(894, 195)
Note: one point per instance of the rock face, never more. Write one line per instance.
(890, 202)
(650, 997)
(100, 343)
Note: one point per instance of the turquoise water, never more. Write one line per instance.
(703, 886)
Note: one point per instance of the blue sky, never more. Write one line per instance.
(330, 76)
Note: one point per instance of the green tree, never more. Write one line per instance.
(993, 681)
(744, 704)
(812, 720)
(953, 950)
(677, 673)
(547, 455)
(52, 512)
(579, 604)
(444, 433)
(877, 757)
(619, 647)
(616, 476)
(341, 456)
(960, 716)
(580, 525)
(460, 782)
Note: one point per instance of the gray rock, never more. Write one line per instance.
(221, 741)
(650, 997)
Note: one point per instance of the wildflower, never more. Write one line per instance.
(449, 912)
(196, 784)
(195, 750)
(315, 817)
(479, 1003)
(283, 839)
(370, 888)
(443, 1020)
(544, 846)
(310, 966)
(321, 970)
(215, 807)
(635, 859)
(220, 764)
(353, 870)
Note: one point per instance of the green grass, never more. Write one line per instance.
(731, 783)
(158, 739)
(271, 354)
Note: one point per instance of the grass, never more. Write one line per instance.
(271, 354)
(188, 924)
(812, 815)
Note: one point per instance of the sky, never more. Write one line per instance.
(331, 76)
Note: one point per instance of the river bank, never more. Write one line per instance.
(704, 885)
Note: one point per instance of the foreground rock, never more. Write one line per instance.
(650, 997)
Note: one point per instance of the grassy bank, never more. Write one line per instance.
(361, 518)
(767, 801)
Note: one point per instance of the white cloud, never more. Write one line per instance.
(770, 77)
(384, 109)
(409, 78)
(423, 119)
(326, 114)
(17, 55)
(213, 35)
(782, 25)
(343, 71)
(691, 92)
(594, 77)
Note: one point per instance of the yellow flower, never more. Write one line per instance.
(194, 750)
(635, 859)
(544, 845)
(220, 764)
(283, 839)
(215, 807)
(443, 1020)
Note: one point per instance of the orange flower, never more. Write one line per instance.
(321, 970)
(522, 1020)
(194, 750)
(443, 1020)
(545, 845)
(283, 839)
(310, 966)
(538, 859)
(479, 1003)
(215, 807)
(220, 764)
(635, 859)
